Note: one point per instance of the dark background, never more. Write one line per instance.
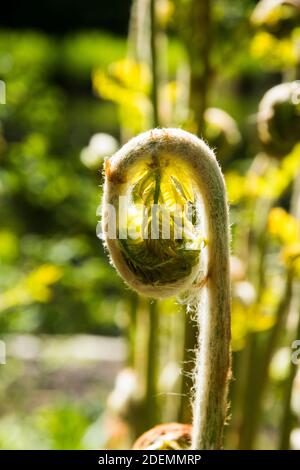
(59, 17)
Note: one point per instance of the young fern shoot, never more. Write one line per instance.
(171, 175)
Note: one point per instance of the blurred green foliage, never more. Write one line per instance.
(48, 200)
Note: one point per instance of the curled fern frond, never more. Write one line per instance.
(161, 194)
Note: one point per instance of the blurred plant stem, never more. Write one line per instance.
(258, 244)
(189, 357)
(256, 253)
(154, 63)
(152, 414)
(258, 227)
(147, 44)
(257, 377)
(287, 420)
(132, 329)
(138, 43)
(286, 424)
(198, 43)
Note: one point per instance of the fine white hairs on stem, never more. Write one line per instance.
(166, 267)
